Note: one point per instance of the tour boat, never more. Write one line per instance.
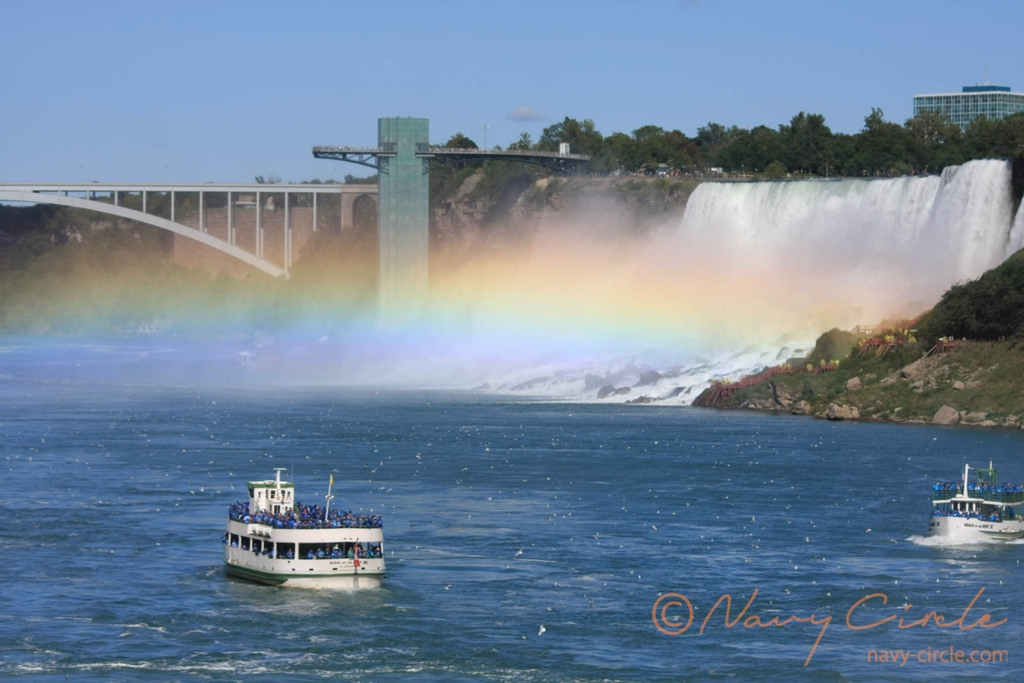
(985, 510)
(275, 540)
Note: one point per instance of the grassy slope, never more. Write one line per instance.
(992, 374)
(983, 379)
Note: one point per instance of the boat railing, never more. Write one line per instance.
(304, 517)
(1006, 495)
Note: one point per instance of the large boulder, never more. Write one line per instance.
(946, 416)
(759, 404)
(610, 390)
(837, 411)
(915, 371)
(782, 395)
(530, 384)
(853, 384)
(647, 378)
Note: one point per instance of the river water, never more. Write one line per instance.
(525, 540)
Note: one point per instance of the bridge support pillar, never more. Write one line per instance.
(403, 187)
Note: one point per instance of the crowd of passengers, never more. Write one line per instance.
(324, 553)
(992, 517)
(368, 551)
(305, 517)
(985, 488)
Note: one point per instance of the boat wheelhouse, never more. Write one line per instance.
(983, 511)
(273, 539)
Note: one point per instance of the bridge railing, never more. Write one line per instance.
(511, 153)
(388, 148)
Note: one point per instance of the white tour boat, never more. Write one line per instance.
(985, 510)
(274, 539)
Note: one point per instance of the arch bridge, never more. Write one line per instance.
(262, 225)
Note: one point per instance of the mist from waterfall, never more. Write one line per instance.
(748, 276)
(753, 272)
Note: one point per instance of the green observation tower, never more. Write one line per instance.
(402, 160)
(403, 199)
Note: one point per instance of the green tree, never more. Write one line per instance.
(524, 143)
(776, 170)
(651, 145)
(934, 140)
(620, 152)
(365, 180)
(808, 140)
(1003, 138)
(710, 140)
(884, 145)
(460, 141)
(682, 151)
(583, 138)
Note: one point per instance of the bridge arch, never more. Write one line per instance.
(8, 195)
(364, 212)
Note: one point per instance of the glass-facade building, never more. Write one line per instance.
(991, 101)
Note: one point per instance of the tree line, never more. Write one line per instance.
(805, 146)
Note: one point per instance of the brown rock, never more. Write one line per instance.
(783, 396)
(853, 384)
(759, 404)
(914, 371)
(946, 416)
(838, 411)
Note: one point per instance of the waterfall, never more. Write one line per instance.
(899, 243)
(751, 273)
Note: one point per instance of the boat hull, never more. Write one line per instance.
(976, 530)
(310, 580)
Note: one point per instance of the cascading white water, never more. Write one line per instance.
(752, 261)
(898, 241)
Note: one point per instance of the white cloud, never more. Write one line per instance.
(524, 112)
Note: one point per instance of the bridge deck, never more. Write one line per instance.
(262, 188)
(248, 222)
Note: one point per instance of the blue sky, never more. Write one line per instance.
(224, 91)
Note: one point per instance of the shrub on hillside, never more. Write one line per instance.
(987, 308)
(835, 344)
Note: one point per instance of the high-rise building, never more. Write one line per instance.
(991, 101)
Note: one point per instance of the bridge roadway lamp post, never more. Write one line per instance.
(402, 160)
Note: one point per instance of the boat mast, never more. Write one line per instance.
(966, 468)
(329, 497)
(277, 482)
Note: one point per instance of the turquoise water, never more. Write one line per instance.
(525, 541)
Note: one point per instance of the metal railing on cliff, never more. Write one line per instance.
(721, 389)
